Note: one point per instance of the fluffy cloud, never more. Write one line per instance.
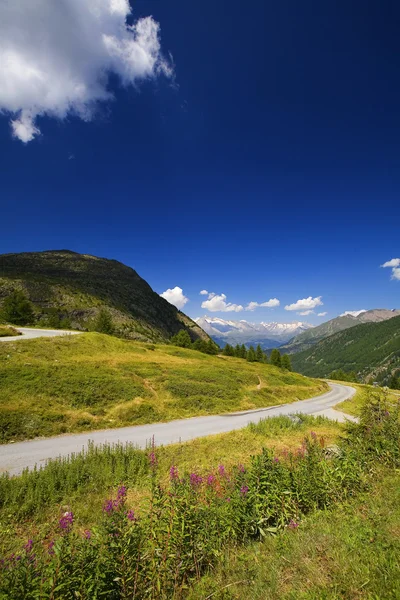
(56, 57)
(352, 313)
(393, 264)
(203, 293)
(217, 303)
(305, 313)
(272, 303)
(305, 304)
(175, 296)
(323, 314)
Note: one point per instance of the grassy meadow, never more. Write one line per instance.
(50, 386)
(8, 331)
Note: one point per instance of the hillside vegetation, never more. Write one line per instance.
(92, 381)
(70, 290)
(7, 331)
(370, 349)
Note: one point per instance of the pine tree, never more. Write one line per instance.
(265, 358)
(212, 347)
(104, 323)
(229, 350)
(285, 362)
(182, 339)
(275, 358)
(17, 309)
(259, 354)
(238, 351)
(243, 351)
(251, 355)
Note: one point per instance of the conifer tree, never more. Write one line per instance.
(182, 339)
(17, 309)
(243, 351)
(285, 361)
(251, 355)
(259, 354)
(238, 352)
(275, 358)
(104, 323)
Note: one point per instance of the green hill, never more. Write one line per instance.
(93, 381)
(370, 349)
(66, 287)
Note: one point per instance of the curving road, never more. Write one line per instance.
(28, 334)
(15, 457)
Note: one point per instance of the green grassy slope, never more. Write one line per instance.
(6, 331)
(366, 349)
(77, 286)
(92, 381)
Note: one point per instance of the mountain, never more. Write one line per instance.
(370, 349)
(268, 335)
(312, 336)
(64, 285)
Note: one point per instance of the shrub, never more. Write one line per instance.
(17, 309)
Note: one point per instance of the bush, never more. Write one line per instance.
(17, 309)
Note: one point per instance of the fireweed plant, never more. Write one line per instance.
(162, 552)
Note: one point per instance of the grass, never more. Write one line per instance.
(354, 405)
(7, 331)
(51, 386)
(351, 552)
(32, 503)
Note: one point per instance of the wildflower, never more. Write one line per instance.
(292, 524)
(276, 459)
(313, 435)
(228, 499)
(108, 506)
(173, 473)
(88, 534)
(66, 521)
(241, 468)
(195, 479)
(28, 546)
(153, 459)
(210, 479)
(244, 490)
(121, 494)
(221, 470)
(50, 547)
(130, 515)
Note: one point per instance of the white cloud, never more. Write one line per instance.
(175, 296)
(323, 314)
(395, 262)
(203, 293)
(272, 303)
(217, 303)
(305, 304)
(304, 313)
(352, 313)
(56, 57)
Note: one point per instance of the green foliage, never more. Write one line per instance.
(182, 339)
(251, 355)
(164, 549)
(259, 354)
(17, 309)
(104, 322)
(229, 350)
(6, 331)
(285, 362)
(340, 375)
(275, 358)
(362, 349)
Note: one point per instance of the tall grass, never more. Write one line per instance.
(160, 553)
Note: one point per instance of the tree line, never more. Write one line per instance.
(183, 340)
(258, 355)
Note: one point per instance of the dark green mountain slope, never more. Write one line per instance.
(368, 349)
(66, 285)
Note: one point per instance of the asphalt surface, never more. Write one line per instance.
(15, 457)
(28, 333)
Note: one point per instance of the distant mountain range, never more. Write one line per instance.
(64, 285)
(371, 349)
(268, 335)
(308, 338)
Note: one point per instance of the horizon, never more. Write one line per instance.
(249, 172)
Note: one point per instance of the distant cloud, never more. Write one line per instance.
(323, 314)
(175, 296)
(272, 303)
(203, 293)
(217, 303)
(305, 313)
(353, 313)
(393, 264)
(305, 304)
(56, 58)
(71, 157)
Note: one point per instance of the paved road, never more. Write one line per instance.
(15, 457)
(28, 333)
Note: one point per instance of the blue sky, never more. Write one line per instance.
(255, 154)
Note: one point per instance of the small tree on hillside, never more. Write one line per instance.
(259, 354)
(275, 358)
(229, 350)
(243, 351)
(285, 362)
(104, 323)
(251, 355)
(238, 351)
(182, 339)
(212, 347)
(17, 309)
